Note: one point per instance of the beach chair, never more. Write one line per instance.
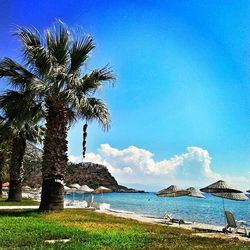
(233, 225)
(170, 219)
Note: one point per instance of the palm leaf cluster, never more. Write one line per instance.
(21, 116)
(53, 68)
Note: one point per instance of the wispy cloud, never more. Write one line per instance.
(137, 165)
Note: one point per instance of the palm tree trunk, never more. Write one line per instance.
(1, 172)
(54, 157)
(16, 168)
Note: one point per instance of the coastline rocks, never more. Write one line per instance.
(94, 175)
(91, 174)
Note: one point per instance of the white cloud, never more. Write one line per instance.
(134, 165)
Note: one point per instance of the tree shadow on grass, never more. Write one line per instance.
(18, 212)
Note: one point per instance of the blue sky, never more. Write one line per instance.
(182, 73)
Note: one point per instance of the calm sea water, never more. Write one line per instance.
(208, 210)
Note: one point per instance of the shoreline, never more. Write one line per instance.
(199, 229)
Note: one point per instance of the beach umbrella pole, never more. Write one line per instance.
(192, 209)
(177, 211)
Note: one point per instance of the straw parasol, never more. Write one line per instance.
(85, 189)
(220, 187)
(223, 190)
(66, 188)
(232, 196)
(248, 191)
(195, 193)
(172, 191)
(101, 190)
(75, 185)
(72, 190)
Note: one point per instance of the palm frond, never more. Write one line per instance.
(5, 130)
(96, 109)
(34, 133)
(80, 51)
(35, 54)
(91, 82)
(20, 107)
(57, 39)
(15, 73)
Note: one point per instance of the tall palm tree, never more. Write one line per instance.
(55, 74)
(4, 151)
(2, 161)
(21, 123)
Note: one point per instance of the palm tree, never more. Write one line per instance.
(20, 123)
(4, 153)
(2, 161)
(55, 74)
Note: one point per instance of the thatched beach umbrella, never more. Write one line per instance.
(232, 196)
(195, 193)
(172, 191)
(84, 189)
(66, 188)
(248, 191)
(75, 185)
(72, 191)
(223, 190)
(101, 190)
(220, 187)
(73, 188)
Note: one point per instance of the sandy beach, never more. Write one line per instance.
(200, 229)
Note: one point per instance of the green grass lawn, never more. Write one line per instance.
(24, 202)
(91, 230)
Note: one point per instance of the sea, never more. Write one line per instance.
(203, 210)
